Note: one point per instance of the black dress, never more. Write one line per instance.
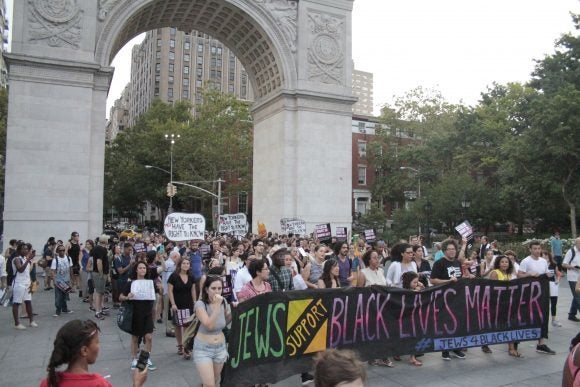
(182, 291)
(142, 314)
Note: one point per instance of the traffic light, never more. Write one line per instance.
(170, 192)
(174, 191)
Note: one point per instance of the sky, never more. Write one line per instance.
(459, 47)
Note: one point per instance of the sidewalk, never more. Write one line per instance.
(24, 355)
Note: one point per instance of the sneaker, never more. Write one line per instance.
(543, 348)
(105, 308)
(307, 379)
(56, 315)
(92, 309)
(150, 365)
(445, 355)
(68, 312)
(34, 324)
(134, 364)
(458, 354)
(573, 318)
(99, 316)
(556, 323)
(20, 327)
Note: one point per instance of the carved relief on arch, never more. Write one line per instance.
(325, 49)
(285, 12)
(105, 7)
(56, 23)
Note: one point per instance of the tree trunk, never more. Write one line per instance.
(573, 220)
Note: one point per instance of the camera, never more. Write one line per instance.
(142, 361)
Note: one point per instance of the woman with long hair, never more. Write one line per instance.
(412, 281)
(77, 345)
(181, 292)
(329, 277)
(313, 269)
(209, 347)
(554, 276)
(142, 324)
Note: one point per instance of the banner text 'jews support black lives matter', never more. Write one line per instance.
(274, 336)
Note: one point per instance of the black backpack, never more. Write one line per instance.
(10, 269)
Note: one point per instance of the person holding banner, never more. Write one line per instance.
(140, 291)
(181, 292)
(397, 268)
(423, 266)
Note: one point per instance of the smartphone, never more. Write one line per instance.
(142, 360)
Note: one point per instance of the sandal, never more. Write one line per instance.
(415, 362)
(180, 350)
(514, 353)
(186, 354)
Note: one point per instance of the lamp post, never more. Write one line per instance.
(465, 204)
(171, 138)
(428, 207)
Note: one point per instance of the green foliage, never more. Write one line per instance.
(217, 143)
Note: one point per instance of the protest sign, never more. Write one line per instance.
(466, 231)
(323, 232)
(235, 224)
(341, 234)
(143, 290)
(275, 335)
(370, 235)
(293, 225)
(139, 247)
(183, 227)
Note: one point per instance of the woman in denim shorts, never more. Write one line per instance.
(209, 348)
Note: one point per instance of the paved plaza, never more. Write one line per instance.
(24, 356)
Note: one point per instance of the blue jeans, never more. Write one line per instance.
(575, 305)
(60, 299)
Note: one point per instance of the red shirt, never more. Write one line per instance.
(67, 379)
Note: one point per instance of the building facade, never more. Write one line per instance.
(4, 44)
(174, 65)
(118, 115)
(362, 88)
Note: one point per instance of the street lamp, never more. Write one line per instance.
(428, 207)
(418, 172)
(171, 138)
(465, 204)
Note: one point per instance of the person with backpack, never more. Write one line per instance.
(61, 272)
(21, 284)
(572, 264)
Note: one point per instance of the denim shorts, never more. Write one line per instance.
(209, 353)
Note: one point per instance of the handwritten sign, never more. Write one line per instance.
(143, 290)
(275, 335)
(183, 227)
(139, 247)
(465, 229)
(235, 224)
(323, 232)
(293, 225)
(341, 234)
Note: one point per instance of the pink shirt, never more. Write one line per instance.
(67, 379)
(248, 291)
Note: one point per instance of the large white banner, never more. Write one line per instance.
(236, 224)
(183, 227)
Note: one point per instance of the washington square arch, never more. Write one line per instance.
(298, 58)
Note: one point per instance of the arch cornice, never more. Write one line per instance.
(107, 41)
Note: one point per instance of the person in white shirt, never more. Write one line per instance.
(243, 276)
(534, 266)
(21, 286)
(572, 264)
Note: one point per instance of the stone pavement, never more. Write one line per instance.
(25, 354)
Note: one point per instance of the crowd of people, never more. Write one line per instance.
(207, 278)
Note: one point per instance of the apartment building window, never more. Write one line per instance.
(185, 82)
(170, 79)
(200, 47)
(213, 49)
(157, 67)
(198, 83)
(186, 58)
(362, 149)
(171, 67)
(186, 45)
(172, 31)
(199, 73)
(157, 78)
(157, 92)
(172, 43)
(158, 55)
(185, 93)
(171, 55)
(243, 202)
(170, 92)
(219, 51)
(158, 42)
(362, 175)
(186, 69)
(230, 88)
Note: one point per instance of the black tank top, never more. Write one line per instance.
(74, 252)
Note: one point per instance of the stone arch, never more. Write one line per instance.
(249, 28)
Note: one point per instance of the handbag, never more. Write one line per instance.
(64, 287)
(125, 318)
(33, 286)
(5, 299)
(42, 262)
(190, 332)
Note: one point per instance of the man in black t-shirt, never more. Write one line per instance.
(100, 274)
(445, 271)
